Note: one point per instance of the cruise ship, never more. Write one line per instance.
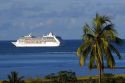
(49, 40)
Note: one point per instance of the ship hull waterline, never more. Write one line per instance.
(36, 45)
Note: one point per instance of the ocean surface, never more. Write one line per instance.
(39, 62)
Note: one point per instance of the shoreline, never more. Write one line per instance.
(80, 78)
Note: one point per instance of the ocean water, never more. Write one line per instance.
(39, 62)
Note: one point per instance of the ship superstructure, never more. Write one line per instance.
(49, 40)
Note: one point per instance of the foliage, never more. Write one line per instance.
(70, 77)
(104, 80)
(97, 44)
(62, 77)
(119, 80)
(14, 78)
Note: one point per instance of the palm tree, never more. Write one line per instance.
(14, 78)
(98, 45)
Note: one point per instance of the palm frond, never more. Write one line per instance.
(20, 78)
(106, 19)
(82, 60)
(100, 55)
(99, 21)
(87, 29)
(92, 60)
(9, 77)
(109, 27)
(97, 59)
(104, 43)
(88, 36)
(14, 78)
(110, 59)
(118, 41)
(82, 47)
(84, 55)
(115, 51)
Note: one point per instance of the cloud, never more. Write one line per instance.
(56, 15)
(73, 21)
(50, 22)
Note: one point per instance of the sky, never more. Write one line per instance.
(64, 18)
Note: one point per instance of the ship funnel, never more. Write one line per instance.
(50, 34)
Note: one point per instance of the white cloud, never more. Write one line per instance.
(57, 15)
(50, 22)
(73, 21)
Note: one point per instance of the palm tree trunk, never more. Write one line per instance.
(100, 75)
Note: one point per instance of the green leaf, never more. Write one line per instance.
(97, 39)
(82, 60)
(110, 59)
(80, 49)
(118, 41)
(115, 51)
(92, 60)
(84, 55)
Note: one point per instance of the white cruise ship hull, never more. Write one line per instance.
(49, 40)
(47, 44)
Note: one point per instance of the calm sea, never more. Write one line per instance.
(39, 62)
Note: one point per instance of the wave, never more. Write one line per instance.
(20, 53)
(60, 52)
(34, 61)
(28, 63)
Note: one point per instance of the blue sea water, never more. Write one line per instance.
(39, 62)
